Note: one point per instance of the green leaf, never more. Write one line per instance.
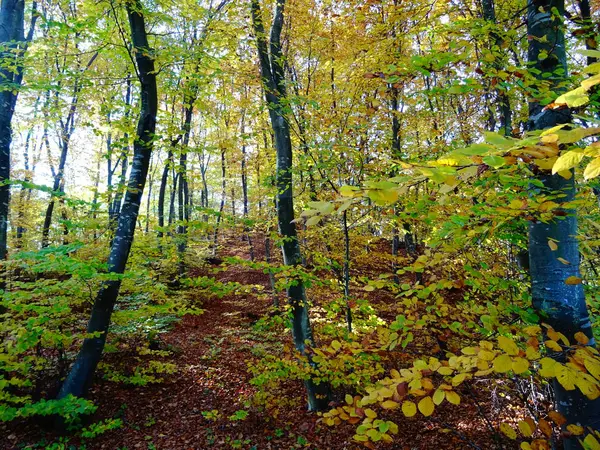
(494, 161)
(314, 220)
(383, 197)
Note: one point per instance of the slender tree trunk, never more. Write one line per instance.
(150, 182)
(80, 377)
(489, 14)
(271, 65)
(162, 192)
(347, 271)
(13, 40)
(222, 206)
(562, 305)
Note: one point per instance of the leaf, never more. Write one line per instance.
(508, 431)
(573, 280)
(591, 443)
(573, 99)
(323, 207)
(348, 397)
(548, 367)
(453, 397)
(525, 428)
(438, 396)
(336, 345)
(494, 161)
(592, 170)
(370, 413)
(568, 160)
(383, 197)
(575, 429)
(553, 345)
(426, 406)
(581, 338)
(566, 376)
(314, 220)
(520, 365)
(390, 404)
(502, 364)
(349, 191)
(552, 245)
(508, 345)
(557, 418)
(409, 409)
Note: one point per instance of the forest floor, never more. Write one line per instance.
(213, 352)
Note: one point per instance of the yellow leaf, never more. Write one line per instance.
(591, 443)
(552, 245)
(573, 99)
(525, 428)
(553, 346)
(592, 170)
(566, 376)
(409, 409)
(445, 370)
(438, 396)
(525, 446)
(390, 404)
(575, 429)
(573, 280)
(453, 397)
(520, 365)
(508, 431)
(426, 406)
(548, 369)
(458, 379)
(563, 261)
(349, 399)
(508, 345)
(370, 413)
(532, 330)
(502, 363)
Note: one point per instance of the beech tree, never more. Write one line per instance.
(272, 73)
(83, 369)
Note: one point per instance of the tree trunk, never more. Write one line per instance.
(222, 206)
(562, 305)
(82, 371)
(271, 66)
(13, 40)
(489, 14)
(162, 192)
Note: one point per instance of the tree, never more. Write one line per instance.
(561, 304)
(13, 45)
(82, 371)
(273, 80)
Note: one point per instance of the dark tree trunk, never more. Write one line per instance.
(223, 196)
(162, 193)
(271, 66)
(13, 40)
(489, 14)
(183, 193)
(82, 372)
(562, 305)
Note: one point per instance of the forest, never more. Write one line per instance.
(286, 224)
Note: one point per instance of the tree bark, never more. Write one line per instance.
(80, 377)
(271, 66)
(14, 41)
(562, 305)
